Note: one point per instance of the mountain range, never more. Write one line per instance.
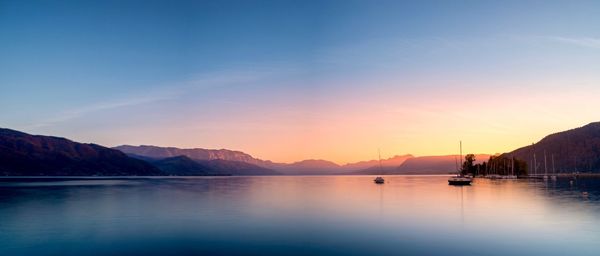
(305, 167)
(403, 164)
(324, 167)
(22, 154)
(185, 166)
(193, 153)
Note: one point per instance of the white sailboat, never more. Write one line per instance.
(545, 167)
(553, 176)
(512, 175)
(379, 179)
(459, 179)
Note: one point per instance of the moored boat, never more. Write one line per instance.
(460, 179)
(379, 179)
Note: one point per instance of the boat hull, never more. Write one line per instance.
(459, 181)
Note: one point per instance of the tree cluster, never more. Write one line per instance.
(496, 165)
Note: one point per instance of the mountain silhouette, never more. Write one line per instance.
(22, 154)
(573, 150)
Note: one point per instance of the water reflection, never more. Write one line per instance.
(299, 215)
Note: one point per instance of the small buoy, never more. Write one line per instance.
(585, 193)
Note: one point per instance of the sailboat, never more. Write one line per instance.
(545, 167)
(379, 179)
(512, 169)
(459, 179)
(553, 177)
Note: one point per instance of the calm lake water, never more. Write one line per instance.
(296, 215)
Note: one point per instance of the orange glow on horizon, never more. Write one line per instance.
(351, 130)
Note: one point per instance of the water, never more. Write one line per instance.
(298, 215)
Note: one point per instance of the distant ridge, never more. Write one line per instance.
(394, 161)
(22, 154)
(422, 165)
(399, 164)
(236, 167)
(193, 153)
(574, 150)
(210, 164)
(181, 166)
(310, 167)
(434, 164)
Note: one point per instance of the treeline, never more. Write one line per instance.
(495, 165)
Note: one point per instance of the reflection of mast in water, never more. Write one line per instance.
(462, 208)
(381, 203)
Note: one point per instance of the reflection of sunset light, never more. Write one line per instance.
(427, 201)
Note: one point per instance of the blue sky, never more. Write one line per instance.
(288, 80)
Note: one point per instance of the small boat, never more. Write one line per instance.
(495, 176)
(460, 179)
(379, 179)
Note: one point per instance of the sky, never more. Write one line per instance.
(293, 80)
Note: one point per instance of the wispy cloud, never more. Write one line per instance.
(100, 106)
(579, 41)
(163, 93)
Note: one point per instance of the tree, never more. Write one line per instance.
(468, 165)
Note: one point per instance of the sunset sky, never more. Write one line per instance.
(293, 80)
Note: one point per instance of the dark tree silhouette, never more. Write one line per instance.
(468, 166)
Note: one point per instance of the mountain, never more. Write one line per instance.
(236, 167)
(375, 170)
(394, 161)
(434, 164)
(324, 167)
(429, 165)
(574, 150)
(193, 153)
(186, 166)
(309, 167)
(182, 166)
(420, 165)
(22, 154)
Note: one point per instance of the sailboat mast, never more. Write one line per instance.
(545, 165)
(456, 162)
(553, 170)
(534, 165)
(380, 166)
(512, 168)
(461, 163)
